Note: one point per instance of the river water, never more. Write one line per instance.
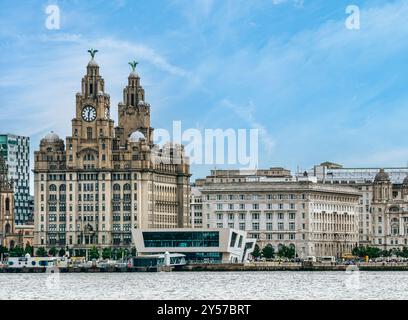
(207, 285)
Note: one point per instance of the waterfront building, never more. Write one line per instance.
(15, 150)
(362, 179)
(277, 209)
(196, 207)
(7, 222)
(25, 235)
(221, 245)
(106, 180)
(389, 211)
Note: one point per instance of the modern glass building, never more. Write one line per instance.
(15, 151)
(181, 239)
(198, 246)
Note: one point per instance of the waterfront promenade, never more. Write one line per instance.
(256, 266)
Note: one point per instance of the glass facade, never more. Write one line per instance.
(15, 151)
(204, 256)
(148, 262)
(181, 239)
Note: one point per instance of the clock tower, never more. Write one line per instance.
(92, 129)
(106, 180)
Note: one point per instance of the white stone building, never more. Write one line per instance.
(362, 179)
(274, 208)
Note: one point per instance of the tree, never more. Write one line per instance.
(268, 251)
(118, 253)
(3, 249)
(287, 252)
(16, 252)
(41, 252)
(94, 253)
(29, 249)
(106, 253)
(257, 252)
(3, 252)
(371, 252)
(61, 252)
(53, 251)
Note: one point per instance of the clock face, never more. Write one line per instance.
(89, 113)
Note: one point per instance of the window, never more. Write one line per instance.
(280, 226)
(255, 216)
(269, 226)
(89, 133)
(255, 226)
(242, 226)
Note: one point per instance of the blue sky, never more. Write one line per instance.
(291, 68)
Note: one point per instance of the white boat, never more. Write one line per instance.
(37, 262)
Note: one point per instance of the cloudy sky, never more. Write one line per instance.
(316, 90)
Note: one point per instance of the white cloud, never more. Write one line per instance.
(247, 114)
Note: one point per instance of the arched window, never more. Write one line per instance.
(7, 204)
(53, 187)
(126, 187)
(116, 187)
(62, 188)
(8, 228)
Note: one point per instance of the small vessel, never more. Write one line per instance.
(36, 262)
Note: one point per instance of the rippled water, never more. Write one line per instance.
(206, 285)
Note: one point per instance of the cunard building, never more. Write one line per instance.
(105, 180)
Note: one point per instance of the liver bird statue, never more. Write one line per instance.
(133, 64)
(92, 52)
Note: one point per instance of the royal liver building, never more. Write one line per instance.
(106, 180)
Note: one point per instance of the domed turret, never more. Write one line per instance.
(134, 74)
(92, 63)
(382, 187)
(382, 176)
(136, 136)
(51, 137)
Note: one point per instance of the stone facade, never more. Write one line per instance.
(7, 232)
(389, 213)
(362, 179)
(276, 209)
(107, 180)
